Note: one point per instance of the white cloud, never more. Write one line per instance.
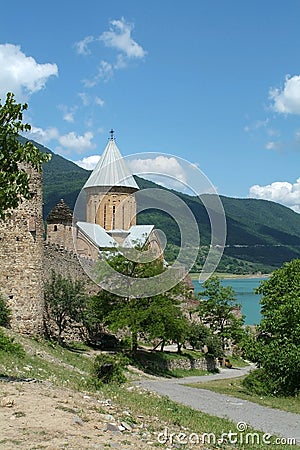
(287, 100)
(43, 136)
(88, 163)
(99, 101)
(105, 73)
(87, 100)
(21, 74)
(162, 170)
(69, 116)
(282, 192)
(273, 145)
(82, 46)
(76, 143)
(160, 165)
(119, 37)
(68, 113)
(256, 125)
(121, 62)
(84, 98)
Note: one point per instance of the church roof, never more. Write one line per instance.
(111, 170)
(97, 235)
(138, 235)
(61, 213)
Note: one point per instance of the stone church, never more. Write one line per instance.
(106, 219)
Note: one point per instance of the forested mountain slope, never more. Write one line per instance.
(258, 231)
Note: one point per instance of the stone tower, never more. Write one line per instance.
(59, 226)
(110, 199)
(21, 261)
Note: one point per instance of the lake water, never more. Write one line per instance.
(244, 289)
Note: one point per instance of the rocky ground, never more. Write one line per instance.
(37, 415)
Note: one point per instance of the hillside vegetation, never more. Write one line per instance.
(47, 400)
(261, 235)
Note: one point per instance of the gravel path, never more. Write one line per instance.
(268, 420)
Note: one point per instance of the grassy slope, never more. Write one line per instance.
(70, 369)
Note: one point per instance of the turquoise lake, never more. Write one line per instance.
(244, 289)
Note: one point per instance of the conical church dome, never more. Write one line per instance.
(111, 170)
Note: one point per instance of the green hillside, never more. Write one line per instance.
(61, 179)
(261, 235)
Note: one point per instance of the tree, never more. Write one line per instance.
(278, 336)
(217, 310)
(165, 319)
(65, 301)
(159, 316)
(14, 156)
(199, 335)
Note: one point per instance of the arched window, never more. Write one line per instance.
(55, 228)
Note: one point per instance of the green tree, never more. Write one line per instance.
(14, 180)
(65, 301)
(217, 310)
(155, 317)
(165, 319)
(278, 336)
(199, 335)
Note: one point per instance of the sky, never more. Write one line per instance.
(215, 83)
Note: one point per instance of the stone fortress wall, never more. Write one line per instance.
(21, 261)
(66, 262)
(26, 260)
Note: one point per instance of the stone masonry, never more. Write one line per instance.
(21, 256)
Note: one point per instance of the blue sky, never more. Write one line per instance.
(216, 83)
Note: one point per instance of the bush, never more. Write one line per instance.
(9, 346)
(109, 368)
(4, 313)
(258, 382)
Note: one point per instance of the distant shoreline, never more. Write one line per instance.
(229, 276)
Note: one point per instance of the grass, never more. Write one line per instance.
(172, 414)
(68, 368)
(234, 387)
(236, 361)
(181, 373)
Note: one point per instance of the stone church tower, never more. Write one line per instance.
(21, 261)
(110, 199)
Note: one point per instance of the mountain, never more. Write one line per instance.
(261, 235)
(61, 179)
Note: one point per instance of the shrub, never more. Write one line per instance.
(4, 312)
(258, 382)
(9, 346)
(109, 368)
